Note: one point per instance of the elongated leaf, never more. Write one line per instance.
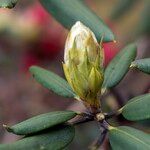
(121, 8)
(119, 66)
(8, 3)
(127, 138)
(137, 108)
(54, 139)
(52, 81)
(142, 64)
(144, 22)
(67, 12)
(41, 122)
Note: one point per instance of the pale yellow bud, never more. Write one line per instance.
(83, 62)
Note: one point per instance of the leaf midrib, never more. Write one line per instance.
(132, 137)
(135, 101)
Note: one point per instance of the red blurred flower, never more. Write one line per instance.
(110, 50)
(50, 41)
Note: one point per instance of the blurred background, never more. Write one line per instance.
(30, 36)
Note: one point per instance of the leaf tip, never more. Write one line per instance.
(7, 128)
(132, 65)
(32, 69)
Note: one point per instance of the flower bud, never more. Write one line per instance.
(83, 64)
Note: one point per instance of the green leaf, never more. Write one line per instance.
(41, 122)
(8, 3)
(121, 8)
(67, 12)
(137, 108)
(127, 138)
(142, 64)
(52, 81)
(119, 66)
(144, 21)
(54, 139)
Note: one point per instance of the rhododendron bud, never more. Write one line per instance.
(83, 64)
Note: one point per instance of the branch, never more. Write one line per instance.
(112, 114)
(84, 117)
(99, 141)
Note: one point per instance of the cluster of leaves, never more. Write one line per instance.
(51, 130)
(44, 131)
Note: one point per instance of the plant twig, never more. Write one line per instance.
(81, 120)
(84, 117)
(99, 141)
(112, 114)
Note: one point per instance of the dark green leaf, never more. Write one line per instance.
(41, 122)
(142, 65)
(52, 81)
(122, 7)
(54, 139)
(137, 108)
(144, 21)
(127, 138)
(119, 66)
(67, 12)
(8, 3)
